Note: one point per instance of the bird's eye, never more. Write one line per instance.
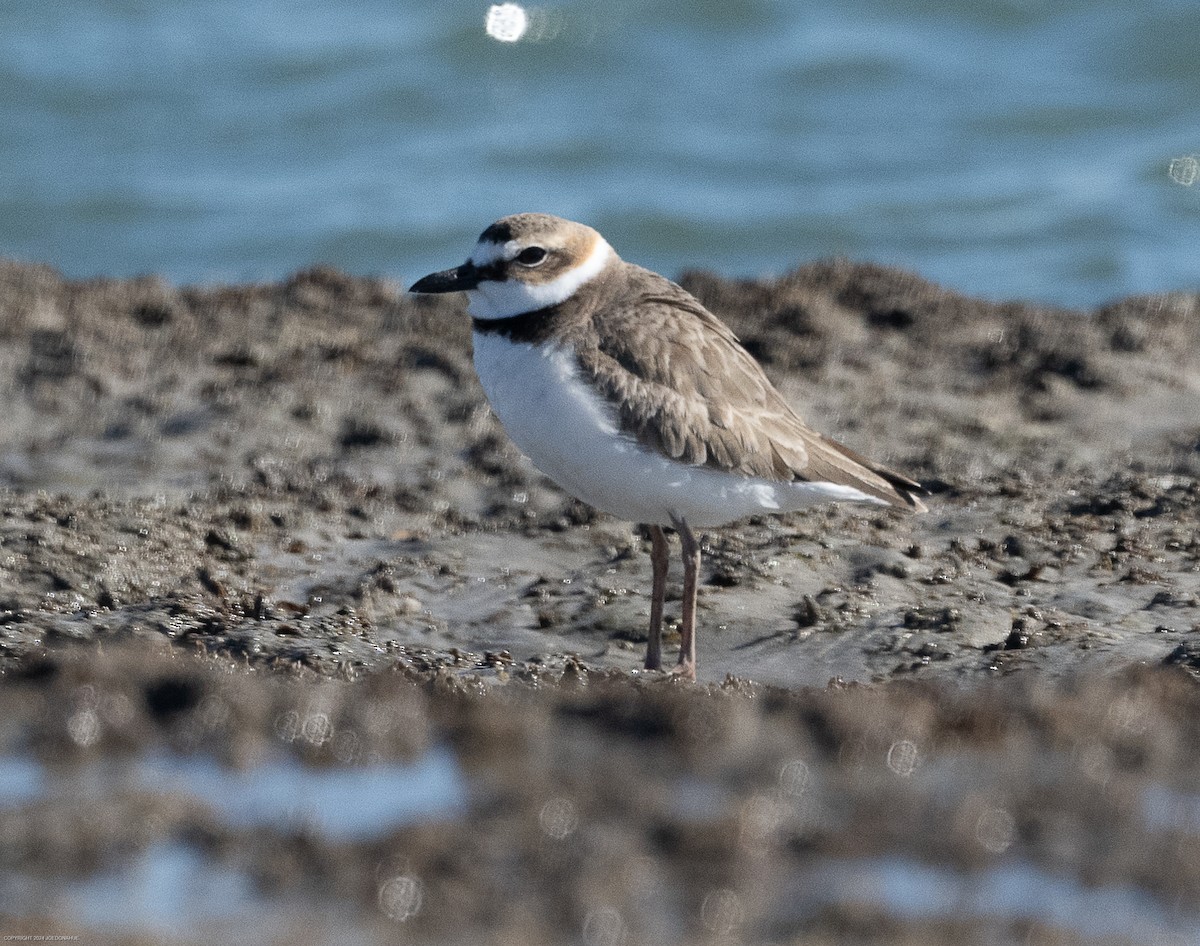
(531, 256)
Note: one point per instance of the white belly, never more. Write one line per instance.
(572, 436)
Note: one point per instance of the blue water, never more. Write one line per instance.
(176, 889)
(341, 804)
(1007, 148)
(1010, 890)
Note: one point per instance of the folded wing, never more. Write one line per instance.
(685, 385)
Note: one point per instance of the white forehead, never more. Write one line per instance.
(487, 252)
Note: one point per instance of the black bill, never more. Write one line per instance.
(461, 278)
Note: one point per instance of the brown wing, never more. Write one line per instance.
(686, 386)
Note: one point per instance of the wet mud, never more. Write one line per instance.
(261, 523)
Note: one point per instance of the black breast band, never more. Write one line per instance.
(528, 327)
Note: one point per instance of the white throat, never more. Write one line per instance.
(501, 300)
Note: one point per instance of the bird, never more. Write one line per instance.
(630, 395)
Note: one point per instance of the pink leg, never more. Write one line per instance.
(659, 560)
(691, 571)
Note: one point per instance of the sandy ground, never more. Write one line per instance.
(255, 497)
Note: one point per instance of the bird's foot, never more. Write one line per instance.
(685, 669)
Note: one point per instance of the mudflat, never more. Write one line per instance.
(258, 497)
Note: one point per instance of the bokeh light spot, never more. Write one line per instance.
(603, 926)
(995, 829)
(317, 729)
(902, 758)
(558, 818)
(506, 22)
(722, 911)
(794, 778)
(84, 728)
(400, 897)
(1185, 170)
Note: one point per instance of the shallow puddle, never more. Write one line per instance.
(1016, 891)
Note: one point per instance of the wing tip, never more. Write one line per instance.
(905, 493)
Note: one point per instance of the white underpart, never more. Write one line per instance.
(571, 434)
(500, 300)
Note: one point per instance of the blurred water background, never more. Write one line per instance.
(1006, 148)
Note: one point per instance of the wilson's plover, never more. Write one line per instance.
(634, 398)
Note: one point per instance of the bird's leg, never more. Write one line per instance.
(659, 561)
(687, 625)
